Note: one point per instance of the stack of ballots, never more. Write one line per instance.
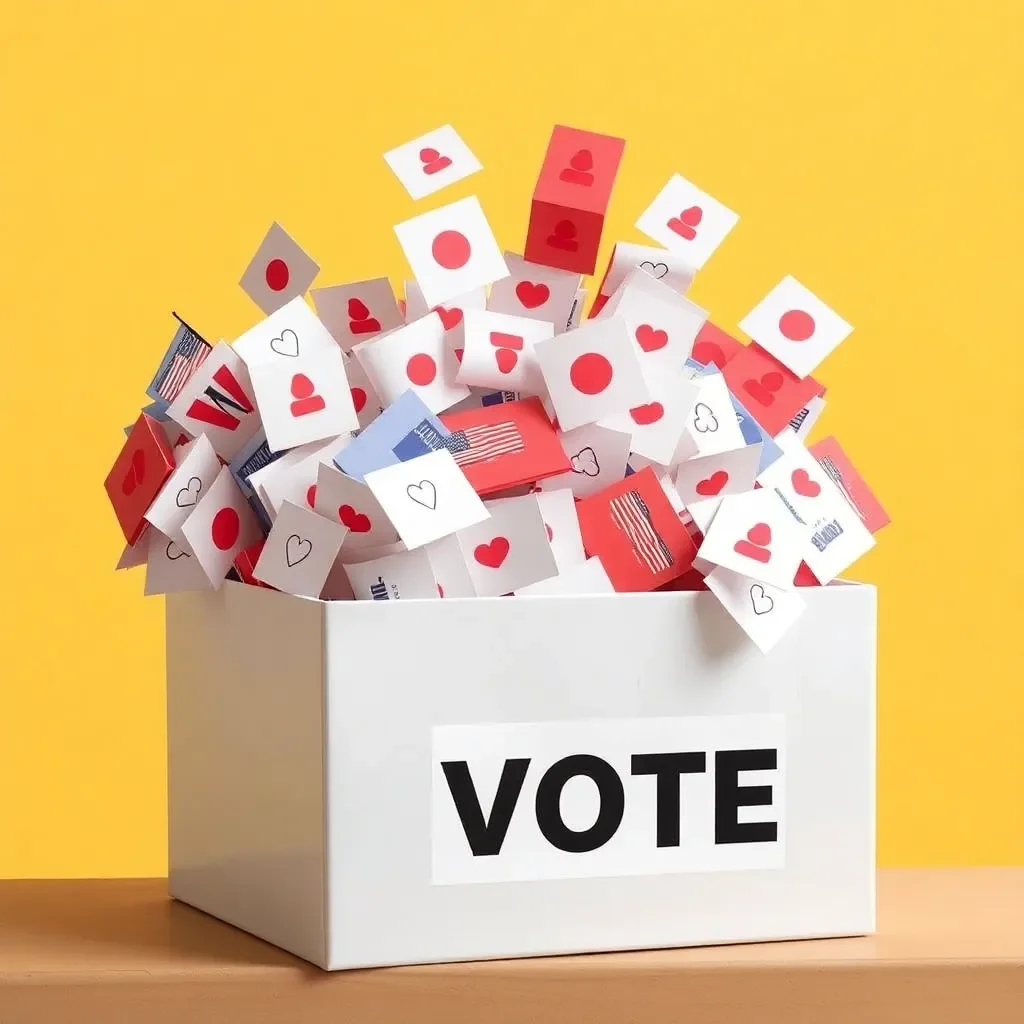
(481, 438)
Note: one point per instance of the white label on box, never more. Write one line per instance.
(607, 797)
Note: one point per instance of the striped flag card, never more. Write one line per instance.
(505, 445)
(183, 357)
(632, 527)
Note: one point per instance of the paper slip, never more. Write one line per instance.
(840, 470)
(713, 347)
(450, 311)
(687, 220)
(510, 549)
(754, 534)
(661, 264)
(657, 427)
(662, 323)
(352, 504)
(413, 357)
(431, 162)
(299, 551)
(711, 426)
(802, 423)
(498, 352)
(597, 456)
(258, 480)
(197, 467)
(218, 401)
(558, 510)
(592, 372)
(171, 567)
(134, 555)
(306, 400)
(632, 527)
(535, 291)
(834, 535)
(426, 498)
(365, 400)
(288, 334)
(587, 577)
(451, 250)
(296, 479)
(449, 567)
(279, 271)
(357, 311)
(404, 575)
(185, 354)
(405, 430)
(253, 456)
(795, 326)
(714, 476)
(140, 470)
(765, 613)
(220, 526)
(754, 433)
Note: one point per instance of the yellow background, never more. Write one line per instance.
(871, 148)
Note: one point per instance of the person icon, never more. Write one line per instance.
(433, 161)
(306, 398)
(359, 319)
(564, 236)
(579, 170)
(755, 544)
(685, 225)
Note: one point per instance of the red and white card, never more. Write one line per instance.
(592, 372)
(300, 551)
(712, 426)
(510, 549)
(662, 323)
(401, 575)
(535, 291)
(656, 428)
(755, 535)
(498, 352)
(365, 399)
(449, 566)
(450, 311)
(588, 577)
(432, 161)
(716, 475)
(765, 613)
(632, 527)
(218, 400)
(139, 472)
(357, 311)
(661, 264)
(687, 220)
(352, 504)
(303, 399)
(597, 459)
(414, 357)
(171, 567)
(220, 526)
(713, 347)
(841, 471)
(451, 250)
(297, 475)
(289, 333)
(278, 271)
(558, 509)
(197, 467)
(795, 326)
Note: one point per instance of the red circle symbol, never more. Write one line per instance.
(451, 250)
(421, 369)
(796, 325)
(277, 275)
(225, 528)
(590, 373)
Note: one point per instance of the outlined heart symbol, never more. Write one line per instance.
(189, 494)
(761, 602)
(424, 493)
(296, 549)
(656, 270)
(173, 552)
(704, 420)
(286, 344)
(585, 462)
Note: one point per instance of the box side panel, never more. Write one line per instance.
(396, 672)
(245, 762)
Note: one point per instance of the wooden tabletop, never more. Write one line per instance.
(950, 950)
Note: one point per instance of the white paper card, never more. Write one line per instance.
(352, 504)
(498, 352)
(764, 612)
(587, 577)
(171, 567)
(196, 468)
(288, 333)
(712, 426)
(356, 311)
(299, 551)
(714, 476)
(657, 427)
(598, 458)
(404, 575)
(662, 264)
(535, 291)
(431, 162)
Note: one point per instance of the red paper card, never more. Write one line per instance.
(505, 445)
(772, 394)
(840, 469)
(245, 562)
(633, 529)
(140, 470)
(579, 170)
(713, 345)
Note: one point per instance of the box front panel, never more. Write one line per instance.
(530, 776)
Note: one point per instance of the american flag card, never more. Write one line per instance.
(633, 529)
(183, 357)
(504, 445)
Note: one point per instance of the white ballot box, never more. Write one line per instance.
(371, 783)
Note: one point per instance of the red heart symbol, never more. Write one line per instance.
(713, 484)
(649, 339)
(803, 484)
(355, 521)
(551, 533)
(311, 495)
(760, 534)
(493, 554)
(506, 359)
(449, 317)
(358, 398)
(650, 413)
(136, 471)
(532, 295)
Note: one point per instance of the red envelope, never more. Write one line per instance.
(140, 470)
(633, 529)
(770, 392)
(505, 445)
(841, 471)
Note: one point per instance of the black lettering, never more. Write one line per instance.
(611, 795)
(667, 768)
(730, 796)
(485, 838)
